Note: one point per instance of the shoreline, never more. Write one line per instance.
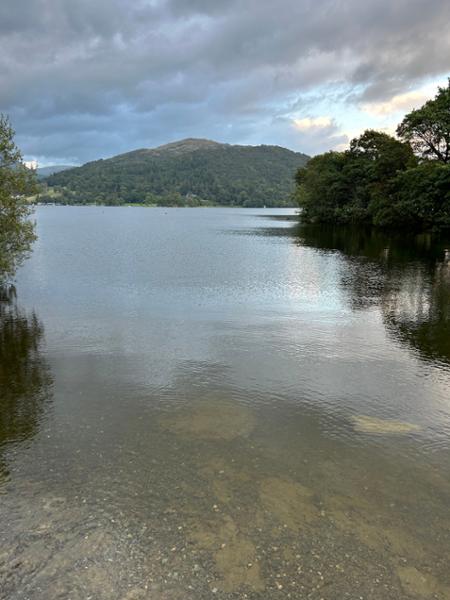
(137, 205)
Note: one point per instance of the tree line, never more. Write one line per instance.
(384, 181)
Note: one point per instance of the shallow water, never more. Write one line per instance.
(222, 403)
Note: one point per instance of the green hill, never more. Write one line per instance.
(189, 172)
(43, 172)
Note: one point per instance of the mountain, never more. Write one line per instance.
(43, 172)
(187, 172)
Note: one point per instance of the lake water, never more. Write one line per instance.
(220, 403)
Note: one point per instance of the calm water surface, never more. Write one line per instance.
(220, 403)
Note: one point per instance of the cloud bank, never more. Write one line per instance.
(84, 79)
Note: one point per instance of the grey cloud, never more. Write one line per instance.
(86, 79)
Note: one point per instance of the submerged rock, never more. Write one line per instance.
(212, 421)
(416, 583)
(366, 424)
(233, 553)
(290, 502)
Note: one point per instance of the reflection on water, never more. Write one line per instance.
(24, 376)
(263, 413)
(408, 277)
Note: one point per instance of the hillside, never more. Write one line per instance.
(42, 172)
(188, 172)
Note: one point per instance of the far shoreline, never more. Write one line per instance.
(137, 205)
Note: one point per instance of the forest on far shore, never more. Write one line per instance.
(191, 172)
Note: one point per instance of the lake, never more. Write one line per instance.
(222, 403)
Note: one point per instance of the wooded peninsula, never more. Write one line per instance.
(385, 181)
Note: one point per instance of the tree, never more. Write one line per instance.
(382, 155)
(427, 129)
(16, 183)
(321, 187)
(418, 198)
(345, 187)
(384, 181)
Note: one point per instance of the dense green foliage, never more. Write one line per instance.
(190, 172)
(384, 181)
(351, 186)
(16, 183)
(427, 129)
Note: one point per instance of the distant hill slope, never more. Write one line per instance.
(47, 171)
(188, 172)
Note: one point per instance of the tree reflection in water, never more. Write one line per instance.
(25, 381)
(407, 276)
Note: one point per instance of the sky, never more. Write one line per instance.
(88, 79)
